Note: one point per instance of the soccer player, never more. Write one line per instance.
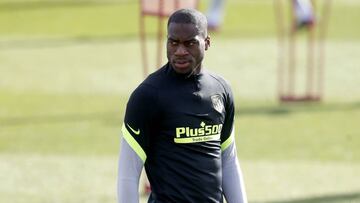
(179, 124)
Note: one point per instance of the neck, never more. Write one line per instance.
(195, 71)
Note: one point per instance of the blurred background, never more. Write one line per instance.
(67, 68)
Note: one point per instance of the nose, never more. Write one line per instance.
(181, 50)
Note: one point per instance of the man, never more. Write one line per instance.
(215, 14)
(179, 124)
(304, 13)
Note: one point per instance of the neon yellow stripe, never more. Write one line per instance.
(197, 139)
(133, 143)
(227, 142)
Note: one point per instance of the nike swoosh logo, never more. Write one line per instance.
(136, 132)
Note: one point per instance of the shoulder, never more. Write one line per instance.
(156, 79)
(142, 101)
(221, 86)
(149, 88)
(219, 80)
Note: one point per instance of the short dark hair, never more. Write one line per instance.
(190, 16)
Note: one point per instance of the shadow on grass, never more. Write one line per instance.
(62, 42)
(337, 198)
(286, 109)
(108, 117)
(111, 117)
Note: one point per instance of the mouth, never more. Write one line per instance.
(181, 64)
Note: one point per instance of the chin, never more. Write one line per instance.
(182, 70)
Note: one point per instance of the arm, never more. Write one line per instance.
(233, 182)
(136, 132)
(130, 166)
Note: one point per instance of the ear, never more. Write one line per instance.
(207, 42)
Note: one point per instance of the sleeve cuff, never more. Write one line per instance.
(133, 143)
(228, 141)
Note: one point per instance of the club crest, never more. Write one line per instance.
(217, 103)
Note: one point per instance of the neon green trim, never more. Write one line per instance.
(196, 139)
(227, 142)
(133, 143)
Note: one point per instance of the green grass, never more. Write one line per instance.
(64, 21)
(90, 125)
(66, 99)
(60, 124)
(110, 19)
(57, 104)
(299, 132)
(67, 69)
(71, 110)
(73, 179)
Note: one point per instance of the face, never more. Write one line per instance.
(186, 47)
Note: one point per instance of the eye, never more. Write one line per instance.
(191, 43)
(173, 43)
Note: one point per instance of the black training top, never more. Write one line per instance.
(178, 125)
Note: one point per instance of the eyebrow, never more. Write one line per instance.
(189, 40)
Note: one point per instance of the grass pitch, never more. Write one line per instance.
(60, 127)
